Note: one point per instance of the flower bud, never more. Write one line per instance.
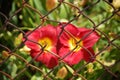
(116, 4)
(62, 73)
(50, 4)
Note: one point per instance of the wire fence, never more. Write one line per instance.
(108, 45)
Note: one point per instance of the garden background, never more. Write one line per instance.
(19, 16)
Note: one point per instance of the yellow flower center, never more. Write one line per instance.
(46, 42)
(73, 44)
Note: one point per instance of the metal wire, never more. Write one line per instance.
(44, 17)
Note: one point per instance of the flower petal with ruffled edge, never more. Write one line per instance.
(69, 39)
(46, 36)
(46, 58)
(89, 40)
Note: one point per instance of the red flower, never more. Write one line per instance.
(46, 37)
(70, 40)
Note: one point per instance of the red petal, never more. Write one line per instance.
(35, 54)
(88, 56)
(69, 27)
(91, 39)
(73, 58)
(43, 32)
(34, 36)
(65, 36)
(63, 44)
(50, 32)
(46, 58)
(52, 62)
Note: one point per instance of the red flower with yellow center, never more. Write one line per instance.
(42, 43)
(73, 46)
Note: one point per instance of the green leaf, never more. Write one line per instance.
(14, 70)
(37, 77)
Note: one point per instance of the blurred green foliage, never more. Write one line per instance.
(28, 19)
